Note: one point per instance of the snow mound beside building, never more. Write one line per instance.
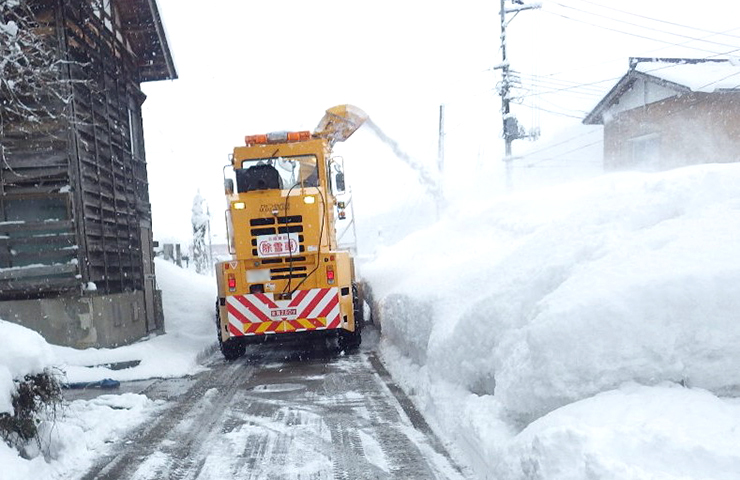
(22, 352)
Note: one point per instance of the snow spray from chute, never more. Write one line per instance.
(431, 182)
(341, 121)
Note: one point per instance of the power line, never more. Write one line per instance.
(573, 87)
(566, 153)
(574, 111)
(642, 26)
(713, 33)
(720, 80)
(552, 111)
(549, 89)
(558, 83)
(646, 53)
(548, 147)
(629, 33)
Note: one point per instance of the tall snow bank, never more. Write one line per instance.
(548, 298)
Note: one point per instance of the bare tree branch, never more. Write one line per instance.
(32, 87)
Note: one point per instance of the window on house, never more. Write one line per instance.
(136, 137)
(646, 152)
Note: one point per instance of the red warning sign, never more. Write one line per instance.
(277, 245)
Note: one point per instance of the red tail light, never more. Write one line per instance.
(232, 282)
(330, 274)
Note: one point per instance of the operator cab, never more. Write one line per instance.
(278, 173)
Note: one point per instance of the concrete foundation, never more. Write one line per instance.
(91, 320)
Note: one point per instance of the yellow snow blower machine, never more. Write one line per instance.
(287, 278)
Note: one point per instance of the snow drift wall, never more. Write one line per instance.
(548, 298)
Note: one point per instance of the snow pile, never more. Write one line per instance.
(552, 297)
(22, 352)
(80, 434)
(635, 432)
(72, 443)
(86, 429)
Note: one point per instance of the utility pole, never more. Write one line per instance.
(441, 161)
(441, 141)
(512, 129)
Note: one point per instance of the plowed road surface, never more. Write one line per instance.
(282, 413)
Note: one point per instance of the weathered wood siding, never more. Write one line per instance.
(73, 193)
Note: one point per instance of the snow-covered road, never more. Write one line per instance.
(281, 413)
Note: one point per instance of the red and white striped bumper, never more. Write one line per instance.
(260, 314)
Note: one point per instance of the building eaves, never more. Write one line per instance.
(595, 117)
(142, 25)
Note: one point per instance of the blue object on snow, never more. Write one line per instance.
(109, 383)
(106, 383)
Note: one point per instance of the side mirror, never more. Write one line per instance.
(229, 186)
(339, 180)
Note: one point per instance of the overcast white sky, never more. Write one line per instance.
(259, 66)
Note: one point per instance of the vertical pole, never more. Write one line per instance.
(441, 143)
(441, 161)
(505, 102)
(210, 241)
(511, 126)
(354, 224)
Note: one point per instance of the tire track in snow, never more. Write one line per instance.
(277, 414)
(175, 443)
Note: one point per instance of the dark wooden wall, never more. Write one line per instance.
(74, 193)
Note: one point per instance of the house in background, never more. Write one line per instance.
(670, 112)
(75, 219)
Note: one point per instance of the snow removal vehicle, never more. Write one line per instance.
(287, 278)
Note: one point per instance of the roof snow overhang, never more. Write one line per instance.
(596, 116)
(142, 26)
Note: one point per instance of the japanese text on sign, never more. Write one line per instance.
(277, 245)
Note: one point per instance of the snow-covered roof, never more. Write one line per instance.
(683, 75)
(704, 76)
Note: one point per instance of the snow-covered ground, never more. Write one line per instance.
(583, 331)
(85, 429)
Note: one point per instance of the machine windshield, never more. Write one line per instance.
(281, 173)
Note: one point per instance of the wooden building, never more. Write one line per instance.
(75, 219)
(670, 112)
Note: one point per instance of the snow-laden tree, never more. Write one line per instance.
(200, 219)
